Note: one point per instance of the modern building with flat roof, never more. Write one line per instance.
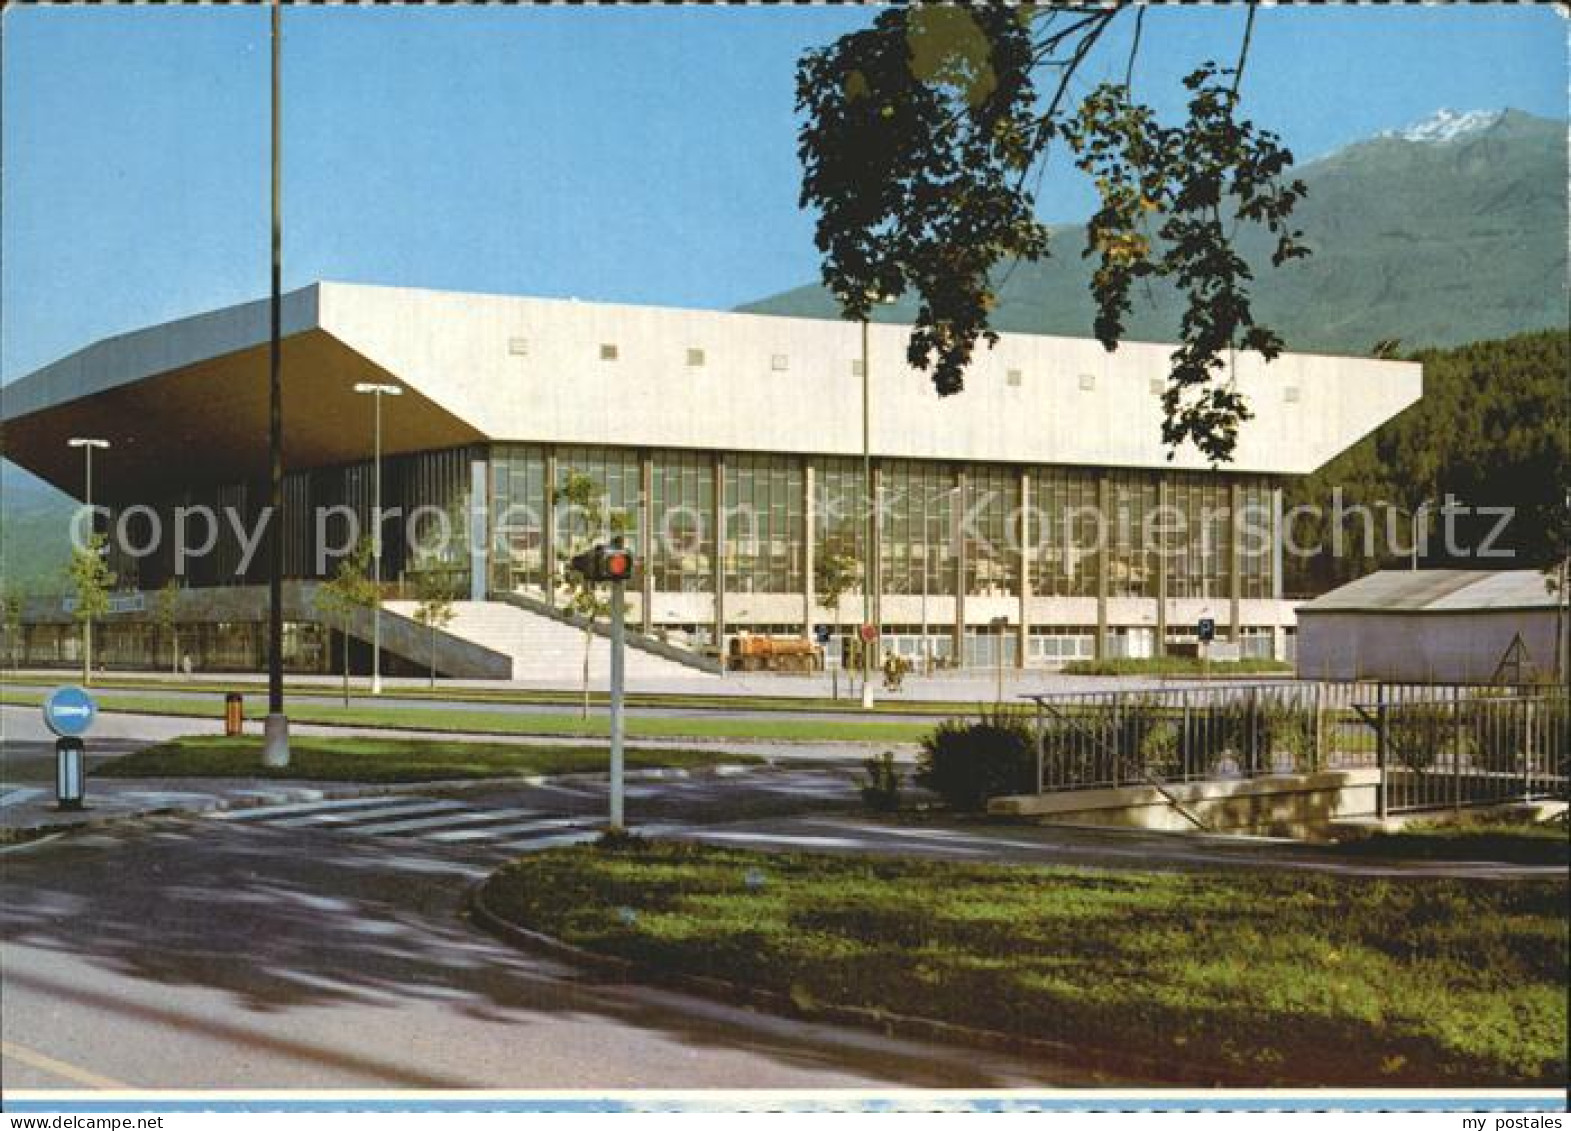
(1036, 513)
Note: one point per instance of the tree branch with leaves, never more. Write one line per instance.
(923, 138)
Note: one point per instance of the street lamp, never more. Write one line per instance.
(87, 444)
(1415, 516)
(870, 554)
(376, 392)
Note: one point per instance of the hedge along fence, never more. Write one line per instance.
(1109, 739)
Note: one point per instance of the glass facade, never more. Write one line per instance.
(989, 530)
(1089, 533)
(764, 531)
(918, 532)
(682, 486)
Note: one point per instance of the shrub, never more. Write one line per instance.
(882, 791)
(966, 762)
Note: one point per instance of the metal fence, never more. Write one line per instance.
(1470, 749)
(1436, 744)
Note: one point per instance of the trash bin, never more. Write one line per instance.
(234, 713)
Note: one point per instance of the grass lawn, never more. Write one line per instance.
(847, 704)
(1276, 979)
(1513, 843)
(481, 721)
(384, 759)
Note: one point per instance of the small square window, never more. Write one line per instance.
(1087, 381)
(695, 357)
(1013, 377)
(856, 367)
(607, 351)
(779, 363)
(518, 347)
(1158, 386)
(1290, 394)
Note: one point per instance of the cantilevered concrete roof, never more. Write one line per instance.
(1438, 591)
(186, 402)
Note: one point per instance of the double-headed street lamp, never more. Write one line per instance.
(87, 444)
(1417, 517)
(870, 555)
(376, 392)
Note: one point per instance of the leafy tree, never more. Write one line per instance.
(834, 575)
(164, 610)
(595, 521)
(435, 609)
(920, 140)
(11, 603)
(351, 587)
(91, 579)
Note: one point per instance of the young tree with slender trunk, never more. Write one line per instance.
(834, 575)
(585, 500)
(435, 608)
(92, 580)
(350, 588)
(164, 615)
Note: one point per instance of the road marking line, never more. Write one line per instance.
(347, 821)
(17, 796)
(506, 830)
(59, 1068)
(449, 820)
(263, 812)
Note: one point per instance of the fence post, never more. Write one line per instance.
(1041, 753)
(1252, 721)
(1383, 785)
(1456, 748)
(1317, 733)
(1118, 715)
(1527, 749)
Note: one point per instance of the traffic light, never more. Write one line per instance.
(604, 563)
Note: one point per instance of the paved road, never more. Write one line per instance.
(264, 954)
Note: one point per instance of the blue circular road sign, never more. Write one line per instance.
(69, 711)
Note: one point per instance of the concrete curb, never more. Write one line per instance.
(1098, 1062)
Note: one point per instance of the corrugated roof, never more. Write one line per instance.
(1438, 591)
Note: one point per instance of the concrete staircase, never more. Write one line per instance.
(548, 651)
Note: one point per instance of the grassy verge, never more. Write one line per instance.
(480, 721)
(523, 696)
(1272, 979)
(1177, 665)
(1546, 844)
(384, 759)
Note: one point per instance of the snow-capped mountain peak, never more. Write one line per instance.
(1446, 125)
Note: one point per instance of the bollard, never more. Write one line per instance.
(70, 779)
(234, 714)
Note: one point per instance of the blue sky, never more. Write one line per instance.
(616, 154)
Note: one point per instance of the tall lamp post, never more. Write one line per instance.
(87, 444)
(376, 392)
(1416, 516)
(870, 555)
(275, 729)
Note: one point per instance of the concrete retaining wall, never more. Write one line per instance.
(1282, 805)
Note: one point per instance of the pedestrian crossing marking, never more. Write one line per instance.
(474, 817)
(267, 812)
(461, 835)
(421, 818)
(325, 820)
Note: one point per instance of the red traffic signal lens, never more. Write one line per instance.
(619, 565)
